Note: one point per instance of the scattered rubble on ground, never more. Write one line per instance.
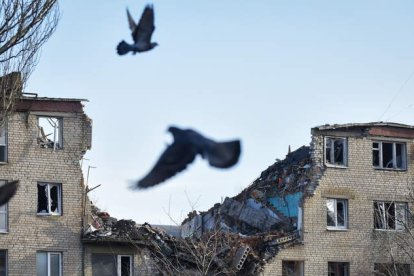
(238, 236)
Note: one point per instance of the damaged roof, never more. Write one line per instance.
(363, 125)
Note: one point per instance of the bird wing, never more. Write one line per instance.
(223, 155)
(7, 191)
(173, 160)
(131, 22)
(145, 28)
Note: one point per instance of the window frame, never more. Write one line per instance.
(346, 211)
(5, 212)
(332, 139)
(385, 218)
(6, 143)
(59, 128)
(48, 254)
(119, 264)
(50, 213)
(380, 150)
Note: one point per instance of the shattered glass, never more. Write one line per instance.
(330, 211)
(42, 204)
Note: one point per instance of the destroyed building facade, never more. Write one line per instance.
(41, 145)
(356, 220)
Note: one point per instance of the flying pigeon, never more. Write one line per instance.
(141, 33)
(7, 191)
(187, 144)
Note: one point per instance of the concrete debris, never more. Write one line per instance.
(238, 236)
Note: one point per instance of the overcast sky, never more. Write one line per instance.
(262, 71)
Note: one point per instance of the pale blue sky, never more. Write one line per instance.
(262, 71)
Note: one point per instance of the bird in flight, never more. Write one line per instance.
(7, 191)
(141, 33)
(186, 146)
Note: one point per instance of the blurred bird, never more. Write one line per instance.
(187, 144)
(141, 33)
(7, 191)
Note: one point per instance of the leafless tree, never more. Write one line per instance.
(24, 26)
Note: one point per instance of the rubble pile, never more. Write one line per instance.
(238, 236)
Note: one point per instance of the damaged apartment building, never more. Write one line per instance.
(41, 145)
(338, 207)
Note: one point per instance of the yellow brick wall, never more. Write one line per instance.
(27, 162)
(361, 184)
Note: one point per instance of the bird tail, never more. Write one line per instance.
(224, 155)
(123, 48)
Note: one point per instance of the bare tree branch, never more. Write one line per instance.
(24, 26)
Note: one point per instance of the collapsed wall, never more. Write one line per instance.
(238, 236)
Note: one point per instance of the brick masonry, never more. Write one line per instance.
(28, 232)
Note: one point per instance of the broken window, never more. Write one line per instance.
(3, 213)
(389, 155)
(49, 263)
(390, 215)
(3, 144)
(338, 269)
(337, 213)
(392, 269)
(111, 265)
(49, 198)
(336, 151)
(3, 262)
(50, 132)
(292, 268)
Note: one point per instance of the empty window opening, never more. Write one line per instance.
(50, 132)
(111, 265)
(3, 262)
(292, 268)
(390, 215)
(338, 269)
(392, 269)
(337, 213)
(335, 151)
(3, 144)
(49, 263)
(49, 198)
(388, 155)
(124, 265)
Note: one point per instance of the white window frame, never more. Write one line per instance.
(119, 267)
(399, 226)
(49, 253)
(4, 132)
(57, 133)
(59, 208)
(394, 155)
(345, 203)
(332, 139)
(5, 212)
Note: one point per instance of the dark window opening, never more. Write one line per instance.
(125, 265)
(48, 198)
(292, 268)
(104, 265)
(392, 269)
(338, 269)
(335, 151)
(3, 262)
(389, 155)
